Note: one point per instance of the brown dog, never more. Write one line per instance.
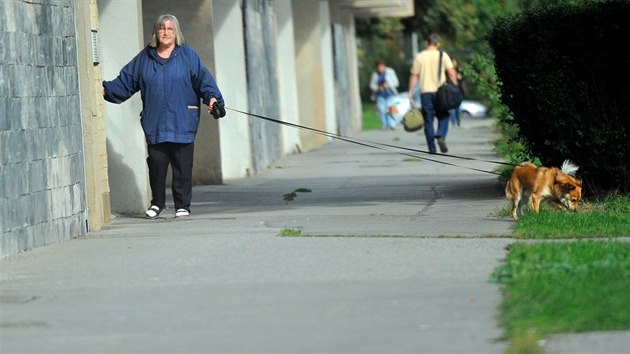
(531, 184)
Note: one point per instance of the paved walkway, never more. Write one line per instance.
(395, 258)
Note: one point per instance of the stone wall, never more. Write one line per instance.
(42, 182)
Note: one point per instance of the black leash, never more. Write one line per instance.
(378, 145)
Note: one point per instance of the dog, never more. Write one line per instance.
(532, 184)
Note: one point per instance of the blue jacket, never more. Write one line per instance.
(170, 93)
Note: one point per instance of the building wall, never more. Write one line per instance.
(42, 181)
(327, 60)
(126, 147)
(93, 122)
(347, 98)
(262, 80)
(309, 71)
(231, 76)
(287, 84)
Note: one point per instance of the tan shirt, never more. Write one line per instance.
(426, 66)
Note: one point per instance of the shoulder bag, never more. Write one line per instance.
(448, 96)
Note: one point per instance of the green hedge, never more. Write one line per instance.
(567, 84)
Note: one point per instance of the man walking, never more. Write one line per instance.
(425, 72)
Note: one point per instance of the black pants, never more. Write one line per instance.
(180, 157)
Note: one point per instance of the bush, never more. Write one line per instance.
(566, 86)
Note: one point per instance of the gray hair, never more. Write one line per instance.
(433, 39)
(179, 36)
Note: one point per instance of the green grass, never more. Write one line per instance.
(565, 287)
(609, 217)
(371, 121)
(573, 286)
(290, 232)
(526, 343)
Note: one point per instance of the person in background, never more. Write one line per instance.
(455, 113)
(172, 81)
(425, 71)
(384, 83)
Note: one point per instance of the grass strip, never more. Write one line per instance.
(371, 120)
(565, 287)
(556, 224)
(289, 232)
(609, 217)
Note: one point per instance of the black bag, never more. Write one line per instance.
(448, 97)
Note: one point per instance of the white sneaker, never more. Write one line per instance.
(153, 212)
(181, 212)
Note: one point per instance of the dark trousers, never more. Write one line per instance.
(180, 157)
(429, 113)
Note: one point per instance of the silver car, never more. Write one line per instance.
(472, 109)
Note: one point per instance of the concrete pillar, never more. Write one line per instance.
(94, 137)
(195, 19)
(348, 98)
(327, 66)
(126, 146)
(287, 83)
(262, 80)
(229, 55)
(353, 65)
(309, 71)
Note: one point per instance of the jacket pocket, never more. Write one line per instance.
(192, 118)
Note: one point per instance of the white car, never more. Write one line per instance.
(472, 109)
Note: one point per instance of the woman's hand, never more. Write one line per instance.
(211, 105)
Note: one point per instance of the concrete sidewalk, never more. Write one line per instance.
(400, 265)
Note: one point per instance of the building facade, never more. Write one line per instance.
(68, 160)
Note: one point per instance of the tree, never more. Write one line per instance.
(463, 25)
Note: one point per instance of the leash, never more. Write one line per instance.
(378, 145)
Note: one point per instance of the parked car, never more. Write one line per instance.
(472, 109)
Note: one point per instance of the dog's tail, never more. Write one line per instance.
(569, 168)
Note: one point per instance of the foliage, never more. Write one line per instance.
(379, 39)
(555, 73)
(480, 73)
(463, 25)
(565, 287)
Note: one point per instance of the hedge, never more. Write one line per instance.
(567, 84)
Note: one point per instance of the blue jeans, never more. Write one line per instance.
(382, 105)
(428, 100)
(455, 116)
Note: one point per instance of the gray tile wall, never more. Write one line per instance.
(42, 180)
